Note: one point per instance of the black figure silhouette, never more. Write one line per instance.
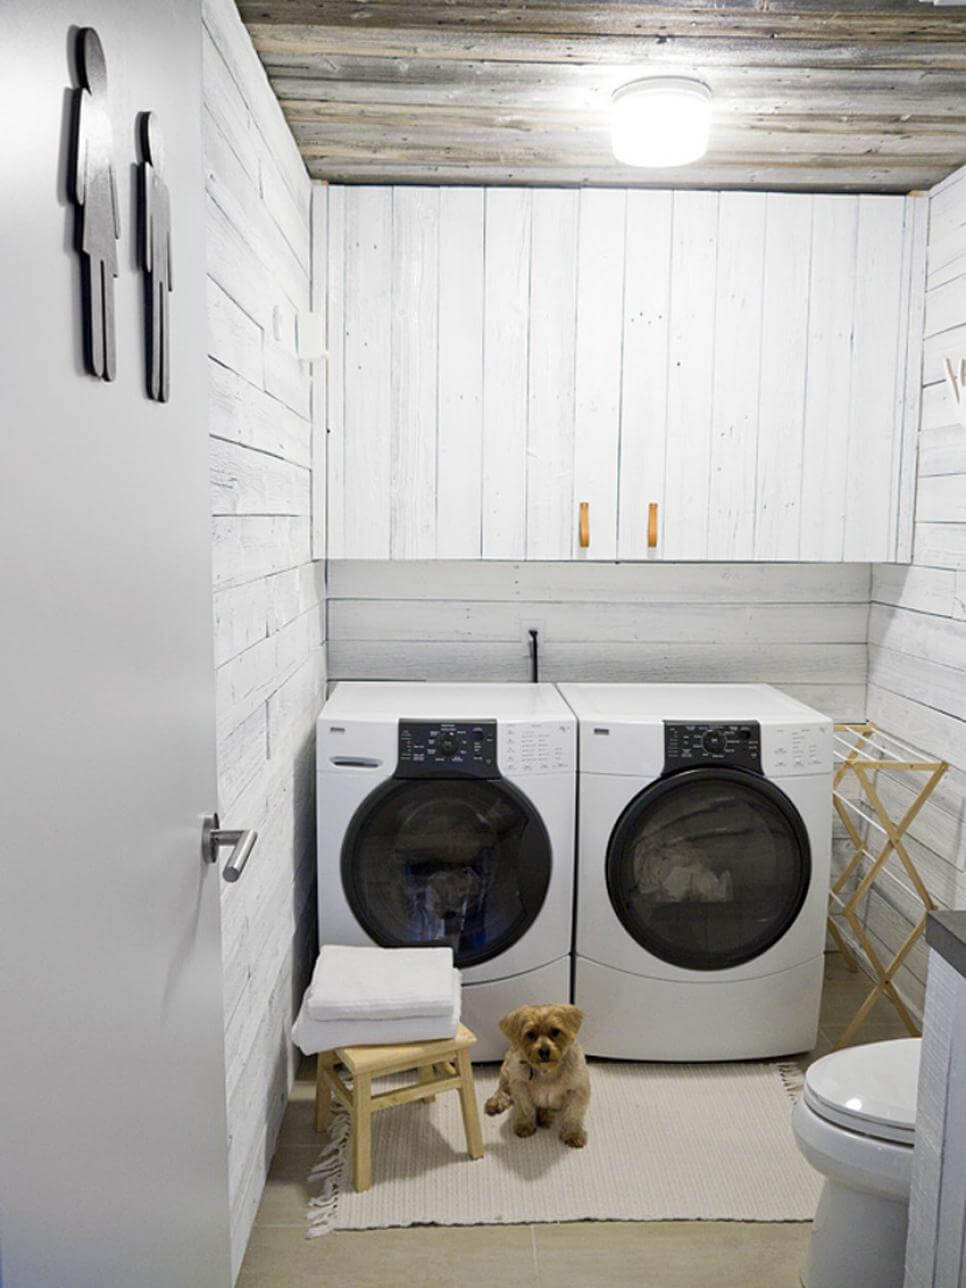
(98, 213)
(155, 258)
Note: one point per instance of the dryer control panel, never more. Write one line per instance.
(798, 749)
(444, 749)
(543, 747)
(713, 742)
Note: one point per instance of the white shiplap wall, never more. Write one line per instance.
(269, 595)
(500, 355)
(917, 625)
(801, 627)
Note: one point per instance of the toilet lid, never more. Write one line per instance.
(870, 1089)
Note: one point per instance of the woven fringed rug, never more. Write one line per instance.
(667, 1142)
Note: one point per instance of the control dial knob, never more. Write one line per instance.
(448, 744)
(713, 742)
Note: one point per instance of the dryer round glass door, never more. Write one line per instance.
(708, 868)
(464, 862)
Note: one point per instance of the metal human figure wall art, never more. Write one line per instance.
(155, 257)
(98, 217)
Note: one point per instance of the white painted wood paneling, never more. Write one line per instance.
(689, 381)
(941, 499)
(413, 371)
(744, 360)
(800, 627)
(784, 356)
(506, 305)
(737, 361)
(875, 364)
(319, 259)
(912, 306)
(367, 415)
(335, 374)
(917, 631)
(459, 429)
(745, 583)
(268, 491)
(644, 373)
(551, 513)
(598, 362)
(828, 378)
(240, 412)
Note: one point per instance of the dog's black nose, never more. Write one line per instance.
(544, 1053)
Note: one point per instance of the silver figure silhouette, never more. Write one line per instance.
(155, 258)
(98, 213)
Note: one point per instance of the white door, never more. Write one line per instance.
(113, 1167)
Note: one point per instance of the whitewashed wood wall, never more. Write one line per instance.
(499, 355)
(917, 626)
(269, 595)
(800, 627)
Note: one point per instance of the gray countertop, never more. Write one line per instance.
(946, 933)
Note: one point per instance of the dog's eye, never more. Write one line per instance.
(555, 1033)
(531, 1035)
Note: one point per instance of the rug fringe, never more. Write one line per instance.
(327, 1172)
(793, 1079)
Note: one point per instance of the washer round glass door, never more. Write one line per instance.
(708, 868)
(464, 862)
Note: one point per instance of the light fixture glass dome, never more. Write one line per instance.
(661, 121)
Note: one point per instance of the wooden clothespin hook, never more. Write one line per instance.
(956, 379)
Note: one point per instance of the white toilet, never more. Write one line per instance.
(855, 1124)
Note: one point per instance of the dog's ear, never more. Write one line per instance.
(570, 1018)
(513, 1024)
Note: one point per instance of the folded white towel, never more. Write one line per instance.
(380, 983)
(325, 1035)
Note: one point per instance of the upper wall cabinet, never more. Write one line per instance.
(552, 374)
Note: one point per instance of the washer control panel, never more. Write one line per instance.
(531, 748)
(799, 749)
(441, 749)
(714, 742)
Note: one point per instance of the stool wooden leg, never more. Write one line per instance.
(426, 1074)
(323, 1096)
(362, 1131)
(471, 1113)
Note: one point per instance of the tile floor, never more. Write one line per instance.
(585, 1254)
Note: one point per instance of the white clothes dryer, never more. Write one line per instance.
(703, 860)
(446, 816)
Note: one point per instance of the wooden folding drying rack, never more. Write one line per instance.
(862, 750)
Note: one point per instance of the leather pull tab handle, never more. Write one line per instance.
(652, 526)
(584, 524)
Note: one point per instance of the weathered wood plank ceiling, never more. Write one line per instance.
(859, 95)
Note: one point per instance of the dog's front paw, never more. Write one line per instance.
(494, 1106)
(525, 1128)
(576, 1139)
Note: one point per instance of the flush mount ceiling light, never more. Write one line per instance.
(661, 121)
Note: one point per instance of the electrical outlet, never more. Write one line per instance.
(528, 624)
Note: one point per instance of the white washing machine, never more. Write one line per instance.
(703, 859)
(446, 816)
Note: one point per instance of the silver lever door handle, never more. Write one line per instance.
(214, 837)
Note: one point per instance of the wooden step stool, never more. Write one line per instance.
(442, 1065)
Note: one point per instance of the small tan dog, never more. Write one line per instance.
(543, 1072)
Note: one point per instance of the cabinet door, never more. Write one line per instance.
(550, 400)
(770, 351)
(644, 373)
(597, 374)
